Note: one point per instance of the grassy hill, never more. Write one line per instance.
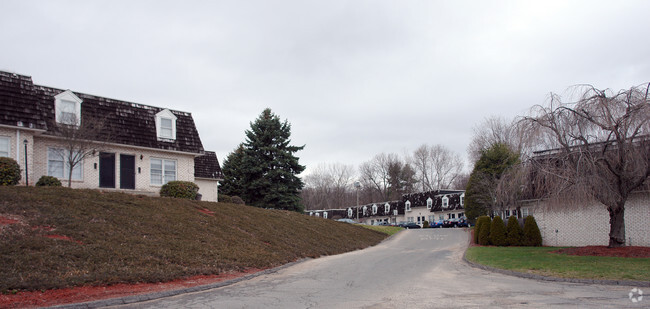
(60, 237)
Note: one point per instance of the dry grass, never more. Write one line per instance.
(120, 238)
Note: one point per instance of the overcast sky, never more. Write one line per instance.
(354, 78)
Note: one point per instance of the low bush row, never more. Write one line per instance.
(494, 232)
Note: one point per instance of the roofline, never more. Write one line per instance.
(195, 154)
(204, 178)
(22, 128)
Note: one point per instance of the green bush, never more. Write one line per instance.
(513, 232)
(425, 224)
(237, 200)
(484, 232)
(9, 172)
(180, 189)
(225, 198)
(532, 236)
(48, 181)
(480, 220)
(498, 232)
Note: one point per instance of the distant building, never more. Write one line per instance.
(415, 207)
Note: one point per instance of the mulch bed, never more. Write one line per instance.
(629, 252)
(92, 293)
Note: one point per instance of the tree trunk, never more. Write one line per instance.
(617, 226)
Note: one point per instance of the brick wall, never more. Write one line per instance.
(207, 189)
(13, 134)
(90, 174)
(589, 226)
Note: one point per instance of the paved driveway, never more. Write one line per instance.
(414, 269)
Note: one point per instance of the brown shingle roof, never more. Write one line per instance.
(131, 123)
(207, 166)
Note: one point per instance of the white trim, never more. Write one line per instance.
(386, 208)
(407, 205)
(21, 128)
(64, 159)
(429, 203)
(162, 171)
(445, 202)
(168, 115)
(8, 139)
(67, 97)
(195, 154)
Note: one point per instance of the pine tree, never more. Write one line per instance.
(498, 232)
(514, 232)
(262, 171)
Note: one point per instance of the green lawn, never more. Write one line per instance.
(540, 260)
(388, 230)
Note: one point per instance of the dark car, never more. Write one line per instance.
(449, 223)
(436, 224)
(411, 225)
(462, 222)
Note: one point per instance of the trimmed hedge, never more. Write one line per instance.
(532, 235)
(513, 232)
(9, 172)
(180, 189)
(48, 181)
(479, 221)
(498, 232)
(237, 200)
(484, 232)
(425, 224)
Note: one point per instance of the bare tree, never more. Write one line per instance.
(80, 139)
(329, 186)
(385, 177)
(436, 167)
(496, 130)
(597, 148)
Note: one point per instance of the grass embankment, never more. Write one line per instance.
(540, 260)
(388, 230)
(60, 237)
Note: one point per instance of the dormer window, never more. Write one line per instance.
(395, 213)
(429, 203)
(349, 212)
(374, 209)
(67, 108)
(386, 208)
(407, 205)
(445, 202)
(166, 125)
(325, 215)
(462, 199)
(365, 209)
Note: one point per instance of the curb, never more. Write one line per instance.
(555, 279)
(157, 295)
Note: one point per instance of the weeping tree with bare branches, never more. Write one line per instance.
(596, 148)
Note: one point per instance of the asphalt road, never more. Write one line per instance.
(414, 269)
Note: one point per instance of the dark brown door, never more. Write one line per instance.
(106, 170)
(127, 171)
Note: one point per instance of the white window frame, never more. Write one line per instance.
(445, 202)
(365, 209)
(317, 215)
(395, 212)
(524, 212)
(407, 205)
(349, 212)
(5, 151)
(429, 203)
(163, 171)
(325, 215)
(61, 155)
(387, 208)
(462, 199)
(166, 115)
(62, 99)
(374, 209)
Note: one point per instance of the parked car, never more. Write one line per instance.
(449, 223)
(436, 224)
(411, 225)
(462, 222)
(346, 220)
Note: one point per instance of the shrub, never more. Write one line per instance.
(225, 198)
(498, 232)
(48, 181)
(9, 172)
(513, 232)
(480, 220)
(532, 236)
(425, 224)
(484, 232)
(237, 200)
(180, 189)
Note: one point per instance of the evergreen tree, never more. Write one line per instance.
(514, 231)
(480, 193)
(262, 171)
(498, 232)
(233, 173)
(532, 235)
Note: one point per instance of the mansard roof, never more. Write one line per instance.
(207, 166)
(24, 104)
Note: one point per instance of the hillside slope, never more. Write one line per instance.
(60, 237)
